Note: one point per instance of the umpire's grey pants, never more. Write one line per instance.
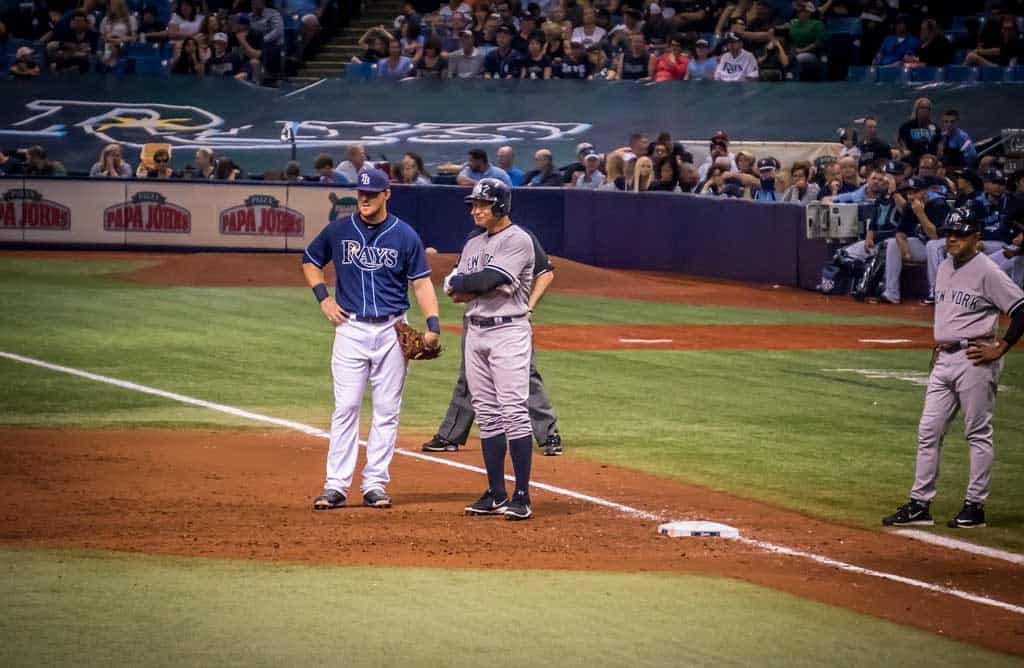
(459, 418)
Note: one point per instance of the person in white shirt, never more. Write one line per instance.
(736, 63)
(467, 62)
(185, 22)
(591, 178)
(348, 171)
(588, 33)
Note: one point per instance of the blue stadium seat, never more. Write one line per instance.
(962, 23)
(960, 74)
(847, 26)
(992, 74)
(893, 74)
(924, 74)
(861, 74)
(360, 72)
(1015, 74)
(148, 50)
(149, 66)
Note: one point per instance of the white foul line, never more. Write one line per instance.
(885, 340)
(955, 544)
(305, 88)
(645, 340)
(635, 512)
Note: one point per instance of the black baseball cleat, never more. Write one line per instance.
(331, 498)
(913, 513)
(488, 505)
(519, 507)
(376, 498)
(438, 444)
(553, 446)
(971, 516)
(928, 301)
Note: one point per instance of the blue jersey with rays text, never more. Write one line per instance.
(373, 263)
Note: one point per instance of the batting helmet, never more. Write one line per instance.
(495, 192)
(962, 220)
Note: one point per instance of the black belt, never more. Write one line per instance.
(371, 318)
(957, 346)
(492, 322)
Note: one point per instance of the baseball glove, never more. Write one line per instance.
(413, 345)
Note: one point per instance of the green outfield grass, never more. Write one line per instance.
(91, 609)
(777, 426)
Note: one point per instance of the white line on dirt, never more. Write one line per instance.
(629, 510)
(955, 544)
(886, 340)
(645, 340)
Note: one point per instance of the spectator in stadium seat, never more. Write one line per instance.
(374, 44)
(468, 61)
(703, 65)
(613, 166)
(111, 164)
(324, 166)
(689, 179)
(588, 33)
(162, 164)
(348, 170)
(643, 175)
(802, 190)
(672, 64)
(591, 178)
(849, 173)
(395, 66)
(37, 164)
(736, 64)
(505, 158)
(185, 21)
(774, 63)
(574, 65)
(632, 64)
(25, 66)
(583, 149)
(431, 65)
(204, 167)
(447, 36)
(292, 172)
(75, 46)
(503, 62)
(715, 185)
(487, 38)
(691, 15)
(666, 175)
(222, 62)
(639, 144)
(536, 64)
(251, 45)
(188, 60)
(269, 23)
(544, 173)
(528, 26)
(935, 49)
(151, 28)
(117, 28)
(871, 147)
(1009, 48)
(807, 39)
(620, 37)
(767, 169)
(899, 45)
(600, 68)
(916, 135)
(448, 11)
(226, 170)
(952, 145)
(477, 167)
(411, 170)
(411, 40)
(310, 39)
(873, 188)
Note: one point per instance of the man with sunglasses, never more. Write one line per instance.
(971, 292)
(376, 255)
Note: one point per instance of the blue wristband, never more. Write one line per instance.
(320, 292)
(434, 324)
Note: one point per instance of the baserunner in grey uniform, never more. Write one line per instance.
(454, 429)
(970, 293)
(494, 276)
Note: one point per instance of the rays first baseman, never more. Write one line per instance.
(494, 276)
(376, 255)
(970, 293)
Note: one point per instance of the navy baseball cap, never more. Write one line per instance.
(372, 180)
(994, 176)
(971, 177)
(766, 163)
(895, 167)
(913, 183)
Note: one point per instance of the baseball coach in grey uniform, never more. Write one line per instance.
(970, 293)
(494, 277)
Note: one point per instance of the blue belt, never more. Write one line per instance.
(372, 318)
(493, 322)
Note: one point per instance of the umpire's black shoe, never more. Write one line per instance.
(488, 505)
(553, 446)
(971, 516)
(376, 498)
(913, 513)
(438, 444)
(519, 507)
(331, 498)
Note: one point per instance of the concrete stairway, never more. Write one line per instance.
(337, 53)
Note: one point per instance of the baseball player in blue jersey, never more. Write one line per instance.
(375, 255)
(494, 277)
(970, 293)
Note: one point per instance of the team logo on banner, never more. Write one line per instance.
(147, 212)
(23, 208)
(341, 207)
(262, 216)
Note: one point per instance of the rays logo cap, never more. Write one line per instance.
(372, 180)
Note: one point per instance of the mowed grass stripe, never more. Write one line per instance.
(101, 609)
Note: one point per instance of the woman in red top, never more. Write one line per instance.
(671, 65)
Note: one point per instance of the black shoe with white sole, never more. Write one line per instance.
(971, 516)
(376, 498)
(913, 513)
(553, 446)
(519, 507)
(488, 505)
(438, 444)
(331, 498)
